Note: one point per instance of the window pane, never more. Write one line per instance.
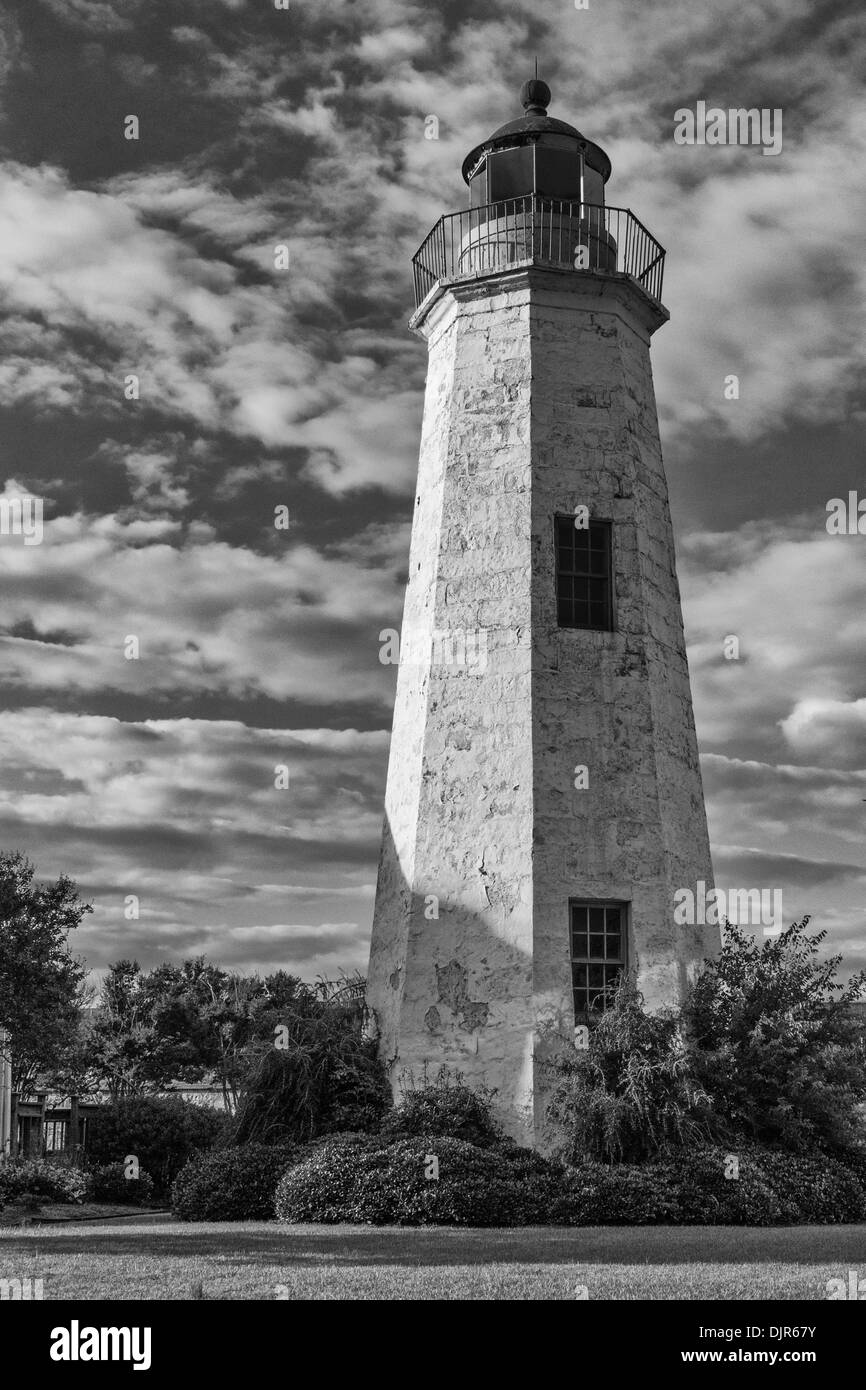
(597, 932)
(585, 556)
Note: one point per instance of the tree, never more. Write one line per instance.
(123, 1047)
(776, 1043)
(42, 985)
(628, 1094)
(185, 1022)
(316, 1075)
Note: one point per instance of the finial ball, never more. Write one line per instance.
(535, 95)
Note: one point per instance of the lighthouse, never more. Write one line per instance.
(544, 801)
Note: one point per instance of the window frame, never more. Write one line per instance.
(621, 962)
(607, 524)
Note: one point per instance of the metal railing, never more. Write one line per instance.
(538, 231)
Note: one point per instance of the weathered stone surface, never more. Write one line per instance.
(539, 398)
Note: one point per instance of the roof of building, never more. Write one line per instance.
(535, 98)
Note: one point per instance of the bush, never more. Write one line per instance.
(706, 1197)
(42, 1179)
(682, 1188)
(595, 1194)
(817, 1188)
(162, 1132)
(855, 1162)
(324, 1078)
(475, 1186)
(357, 1179)
(109, 1183)
(322, 1186)
(776, 1043)
(445, 1106)
(629, 1095)
(235, 1184)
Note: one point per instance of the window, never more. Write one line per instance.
(583, 574)
(511, 173)
(598, 944)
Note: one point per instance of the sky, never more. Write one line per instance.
(262, 388)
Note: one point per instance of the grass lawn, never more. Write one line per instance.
(165, 1259)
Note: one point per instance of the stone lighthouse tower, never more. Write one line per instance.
(544, 798)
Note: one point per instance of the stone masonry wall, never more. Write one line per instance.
(456, 989)
(539, 398)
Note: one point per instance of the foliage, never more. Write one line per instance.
(596, 1194)
(43, 1179)
(365, 1181)
(444, 1106)
(324, 1076)
(322, 1186)
(162, 1133)
(774, 1043)
(383, 1184)
(236, 1184)
(701, 1186)
(818, 1189)
(42, 986)
(189, 1021)
(629, 1094)
(108, 1183)
(709, 1194)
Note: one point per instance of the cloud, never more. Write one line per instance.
(208, 617)
(794, 597)
(185, 815)
(207, 345)
(832, 728)
(95, 16)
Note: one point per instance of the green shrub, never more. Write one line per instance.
(359, 1179)
(596, 1194)
(689, 1187)
(42, 1179)
(681, 1188)
(162, 1132)
(236, 1184)
(628, 1096)
(854, 1159)
(776, 1044)
(445, 1106)
(820, 1189)
(325, 1077)
(705, 1196)
(109, 1183)
(322, 1186)
(475, 1186)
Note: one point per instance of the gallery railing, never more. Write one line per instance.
(538, 231)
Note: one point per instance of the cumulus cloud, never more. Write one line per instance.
(123, 296)
(794, 598)
(186, 815)
(207, 616)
